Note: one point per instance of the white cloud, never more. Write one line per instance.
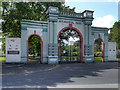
(106, 21)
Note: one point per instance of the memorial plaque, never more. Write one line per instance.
(13, 50)
(111, 51)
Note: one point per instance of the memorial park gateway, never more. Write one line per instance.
(49, 34)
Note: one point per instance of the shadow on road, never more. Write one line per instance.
(36, 75)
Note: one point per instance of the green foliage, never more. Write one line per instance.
(118, 53)
(98, 43)
(2, 59)
(31, 58)
(75, 49)
(98, 59)
(14, 12)
(3, 46)
(98, 48)
(98, 54)
(114, 35)
(34, 45)
(66, 34)
(118, 59)
(70, 49)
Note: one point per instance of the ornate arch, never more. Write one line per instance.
(81, 39)
(41, 47)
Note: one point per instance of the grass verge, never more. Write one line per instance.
(118, 59)
(98, 59)
(31, 58)
(2, 59)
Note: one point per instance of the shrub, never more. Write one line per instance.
(118, 53)
(98, 54)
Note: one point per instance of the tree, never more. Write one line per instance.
(66, 34)
(34, 45)
(98, 43)
(14, 12)
(114, 35)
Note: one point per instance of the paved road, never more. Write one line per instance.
(77, 75)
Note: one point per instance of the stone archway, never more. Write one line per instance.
(81, 39)
(50, 30)
(41, 47)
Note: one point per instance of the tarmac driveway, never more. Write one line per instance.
(75, 75)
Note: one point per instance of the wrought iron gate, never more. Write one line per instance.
(69, 53)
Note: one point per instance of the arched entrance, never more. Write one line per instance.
(98, 50)
(40, 54)
(81, 40)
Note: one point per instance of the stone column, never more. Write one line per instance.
(106, 46)
(55, 32)
(51, 32)
(88, 47)
(45, 45)
(91, 44)
(86, 40)
(24, 44)
(52, 45)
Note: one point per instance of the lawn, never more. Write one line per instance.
(2, 59)
(98, 59)
(31, 58)
(118, 59)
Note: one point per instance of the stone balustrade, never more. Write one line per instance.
(73, 14)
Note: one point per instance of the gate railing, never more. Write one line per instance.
(68, 55)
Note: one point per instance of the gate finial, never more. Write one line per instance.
(70, 25)
(34, 31)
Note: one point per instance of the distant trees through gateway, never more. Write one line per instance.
(69, 46)
(98, 50)
(34, 44)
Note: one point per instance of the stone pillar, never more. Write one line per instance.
(88, 18)
(24, 44)
(52, 15)
(55, 32)
(52, 46)
(45, 45)
(86, 40)
(88, 47)
(51, 32)
(106, 46)
(91, 44)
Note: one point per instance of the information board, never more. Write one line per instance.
(13, 49)
(111, 51)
